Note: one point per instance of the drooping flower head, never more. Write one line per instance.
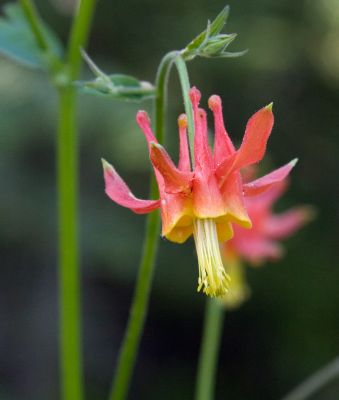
(205, 198)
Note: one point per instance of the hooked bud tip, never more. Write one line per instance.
(182, 121)
(142, 117)
(214, 102)
(195, 96)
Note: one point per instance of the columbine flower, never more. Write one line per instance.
(203, 201)
(262, 242)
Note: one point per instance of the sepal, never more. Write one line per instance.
(117, 190)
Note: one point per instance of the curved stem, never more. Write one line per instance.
(208, 359)
(136, 322)
(315, 382)
(135, 325)
(67, 167)
(185, 87)
(161, 88)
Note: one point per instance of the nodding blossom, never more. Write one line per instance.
(203, 198)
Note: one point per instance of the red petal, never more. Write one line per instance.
(257, 132)
(175, 180)
(202, 151)
(177, 217)
(223, 146)
(225, 168)
(207, 199)
(145, 125)
(285, 224)
(265, 182)
(257, 250)
(117, 190)
(184, 156)
(234, 200)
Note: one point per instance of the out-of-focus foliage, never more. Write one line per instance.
(18, 42)
(290, 326)
(116, 86)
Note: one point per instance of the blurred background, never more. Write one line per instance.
(290, 326)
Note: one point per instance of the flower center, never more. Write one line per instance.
(212, 275)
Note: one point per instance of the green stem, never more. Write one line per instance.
(70, 347)
(185, 87)
(79, 35)
(136, 322)
(315, 382)
(35, 23)
(208, 359)
(161, 88)
(71, 373)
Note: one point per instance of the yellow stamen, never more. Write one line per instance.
(212, 275)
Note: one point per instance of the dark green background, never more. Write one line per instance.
(290, 327)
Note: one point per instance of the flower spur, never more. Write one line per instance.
(204, 200)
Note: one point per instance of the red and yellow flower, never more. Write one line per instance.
(205, 200)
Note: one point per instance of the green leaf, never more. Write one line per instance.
(213, 29)
(18, 42)
(211, 43)
(117, 86)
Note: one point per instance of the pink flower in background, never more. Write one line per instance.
(262, 242)
(204, 201)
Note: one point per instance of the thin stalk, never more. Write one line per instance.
(71, 373)
(315, 382)
(35, 24)
(136, 321)
(69, 276)
(53, 63)
(214, 315)
(78, 36)
(161, 89)
(185, 87)
(208, 359)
